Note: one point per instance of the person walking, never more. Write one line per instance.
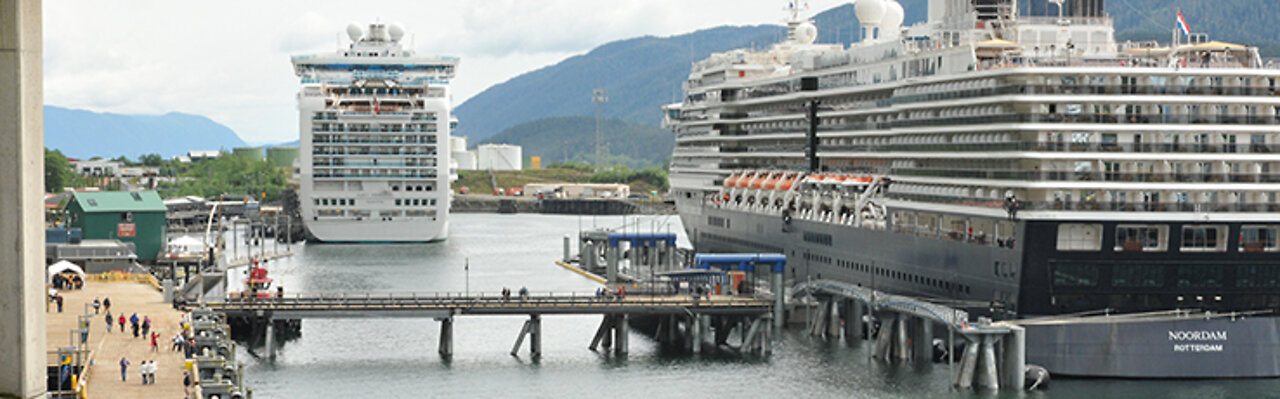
(109, 320)
(142, 371)
(151, 372)
(178, 341)
(106, 303)
(124, 369)
(146, 325)
(186, 384)
(96, 305)
(121, 320)
(59, 301)
(153, 341)
(133, 324)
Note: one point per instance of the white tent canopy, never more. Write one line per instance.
(186, 244)
(63, 266)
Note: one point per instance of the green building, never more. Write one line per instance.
(128, 216)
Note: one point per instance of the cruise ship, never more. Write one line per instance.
(1007, 156)
(374, 119)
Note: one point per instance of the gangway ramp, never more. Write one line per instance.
(696, 315)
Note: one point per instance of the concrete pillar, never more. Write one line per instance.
(901, 345)
(695, 334)
(922, 340)
(586, 256)
(271, 339)
(621, 335)
(1013, 362)
(602, 333)
(833, 321)
(611, 264)
(535, 336)
(445, 347)
(22, 318)
(779, 296)
(566, 249)
(883, 337)
(968, 362)
(853, 322)
(987, 377)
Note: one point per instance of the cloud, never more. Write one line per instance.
(229, 60)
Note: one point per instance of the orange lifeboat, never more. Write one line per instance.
(864, 179)
(731, 181)
(747, 182)
(839, 178)
(771, 182)
(786, 184)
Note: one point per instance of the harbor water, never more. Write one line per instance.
(357, 358)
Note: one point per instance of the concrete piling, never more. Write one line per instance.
(988, 377)
(621, 335)
(1013, 372)
(271, 339)
(445, 347)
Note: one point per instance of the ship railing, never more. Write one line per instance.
(1122, 177)
(1099, 205)
(477, 298)
(1091, 118)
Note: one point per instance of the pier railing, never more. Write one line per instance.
(318, 303)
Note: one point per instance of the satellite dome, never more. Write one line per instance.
(893, 15)
(806, 33)
(354, 31)
(869, 12)
(396, 31)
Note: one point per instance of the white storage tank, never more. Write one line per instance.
(458, 154)
(499, 157)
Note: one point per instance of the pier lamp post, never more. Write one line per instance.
(466, 268)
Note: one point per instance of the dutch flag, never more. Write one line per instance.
(1182, 24)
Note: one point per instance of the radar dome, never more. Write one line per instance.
(893, 16)
(354, 32)
(869, 12)
(806, 33)
(396, 31)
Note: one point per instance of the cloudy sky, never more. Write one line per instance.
(229, 60)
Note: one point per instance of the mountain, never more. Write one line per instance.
(1250, 22)
(83, 134)
(556, 139)
(639, 75)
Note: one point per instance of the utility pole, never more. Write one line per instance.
(598, 96)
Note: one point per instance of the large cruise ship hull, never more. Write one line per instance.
(883, 260)
(1186, 347)
(1011, 283)
(351, 231)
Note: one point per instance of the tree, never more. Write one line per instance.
(151, 160)
(57, 171)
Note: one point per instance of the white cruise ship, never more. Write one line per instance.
(1009, 156)
(374, 122)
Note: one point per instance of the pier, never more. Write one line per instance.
(696, 314)
(994, 353)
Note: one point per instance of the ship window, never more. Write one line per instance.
(1204, 238)
(1258, 238)
(317, 201)
(1257, 276)
(1075, 275)
(1079, 237)
(1200, 276)
(1131, 276)
(398, 202)
(1141, 238)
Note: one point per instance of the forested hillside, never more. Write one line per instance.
(559, 139)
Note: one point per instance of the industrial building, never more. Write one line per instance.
(136, 217)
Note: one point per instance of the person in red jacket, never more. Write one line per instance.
(153, 340)
(121, 320)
